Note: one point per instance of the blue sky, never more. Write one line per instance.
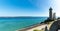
(24, 7)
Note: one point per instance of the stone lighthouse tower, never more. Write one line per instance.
(54, 16)
(50, 13)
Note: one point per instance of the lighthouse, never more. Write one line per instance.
(50, 13)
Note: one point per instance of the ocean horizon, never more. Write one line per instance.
(15, 23)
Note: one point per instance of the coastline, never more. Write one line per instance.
(32, 26)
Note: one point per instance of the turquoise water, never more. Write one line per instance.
(13, 24)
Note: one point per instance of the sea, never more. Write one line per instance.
(15, 23)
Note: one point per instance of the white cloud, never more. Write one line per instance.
(56, 6)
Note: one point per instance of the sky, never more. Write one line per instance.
(28, 7)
